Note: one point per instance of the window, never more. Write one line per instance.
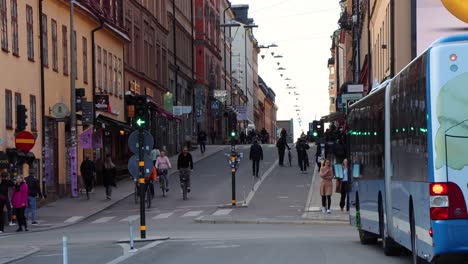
(111, 75)
(17, 102)
(45, 48)
(116, 79)
(8, 109)
(32, 106)
(30, 32)
(14, 27)
(99, 68)
(158, 64)
(104, 55)
(4, 21)
(119, 84)
(53, 24)
(65, 49)
(85, 60)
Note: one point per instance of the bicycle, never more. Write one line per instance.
(162, 181)
(148, 195)
(136, 194)
(184, 179)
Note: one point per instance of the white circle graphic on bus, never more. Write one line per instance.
(452, 114)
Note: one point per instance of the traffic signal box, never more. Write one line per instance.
(141, 111)
(317, 129)
(21, 118)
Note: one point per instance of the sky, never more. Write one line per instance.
(302, 30)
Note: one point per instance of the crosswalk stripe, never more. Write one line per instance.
(222, 212)
(130, 218)
(73, 219)
(103, 220)
(192, 213)
(163, 216)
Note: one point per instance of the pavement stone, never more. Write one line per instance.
(9, 254)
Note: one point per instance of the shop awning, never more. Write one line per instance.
(112, 122)
(167, 114)
(332, 117)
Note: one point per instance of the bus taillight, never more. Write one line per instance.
(447, 201)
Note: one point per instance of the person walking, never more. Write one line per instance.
(340, 151)
(256, 154)
(202, 141)
(185, 164)
(163, 164)
(326, 185)
(5, 185)
(19, 199)
(88, 170)
(282, 145)
(34, 191)
(109, 176)
(301, 148)
(344, 185)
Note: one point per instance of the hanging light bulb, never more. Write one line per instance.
(263, 56)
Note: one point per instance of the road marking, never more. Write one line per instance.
(163, 216)
(300, 186)
(207, 243)
(103, 220)
(128, 255)
(192, 213)
(258, 183)
(309, 196)
(222, 246)
(130, 218)
(283, 197)
(222, 212)
(73, 219)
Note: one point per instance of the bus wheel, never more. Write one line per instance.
(367, 238)
(414, 248)
(389, 246)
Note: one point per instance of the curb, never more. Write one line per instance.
(270, 221)
(25, 255)
(104, 208)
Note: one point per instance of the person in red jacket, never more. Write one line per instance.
(19, 199)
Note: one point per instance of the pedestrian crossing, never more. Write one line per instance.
(159, 216)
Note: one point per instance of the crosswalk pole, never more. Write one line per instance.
(65, 249)
(142, 184)
(132, 244)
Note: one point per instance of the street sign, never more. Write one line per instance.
(134, 169)
(87, 108)
(24, 141)
(148, 142)
(214, 105)
(60, 110)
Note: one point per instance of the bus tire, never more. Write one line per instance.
(367, 238)
(414, 243)
(389, 246)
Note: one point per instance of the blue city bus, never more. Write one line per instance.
(408, 144)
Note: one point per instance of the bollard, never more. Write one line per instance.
(65, 249)
(132, 243)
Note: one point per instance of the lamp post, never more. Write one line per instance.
(72, 150)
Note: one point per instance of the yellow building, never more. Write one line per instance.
(104, 18)
(19, 80)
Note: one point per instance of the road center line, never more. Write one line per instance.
(258, 183)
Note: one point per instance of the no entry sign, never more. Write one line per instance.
(24, 141)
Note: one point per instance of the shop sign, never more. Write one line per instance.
(102, 102)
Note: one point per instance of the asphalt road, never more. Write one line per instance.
(94, 240)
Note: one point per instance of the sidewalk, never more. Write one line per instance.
(312, 209)
(68, 211)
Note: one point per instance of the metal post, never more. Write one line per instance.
(132, 244)
(233, 176)
(141, 180)
(73, 150)
(65, 249)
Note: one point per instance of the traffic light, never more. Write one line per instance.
(140, 111)
(233, 134)
(21, 118)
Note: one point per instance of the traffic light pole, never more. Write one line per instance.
(233, 170)
(141, 181)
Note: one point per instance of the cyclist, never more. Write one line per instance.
(163, 164)
(150, 179)
(185, 164)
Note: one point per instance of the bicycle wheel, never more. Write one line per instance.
(184, 191)
(148, 197)
(162, 184)
(290, 159)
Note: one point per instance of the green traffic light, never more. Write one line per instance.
(315, 134)
(140, 122)
(233, 133)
